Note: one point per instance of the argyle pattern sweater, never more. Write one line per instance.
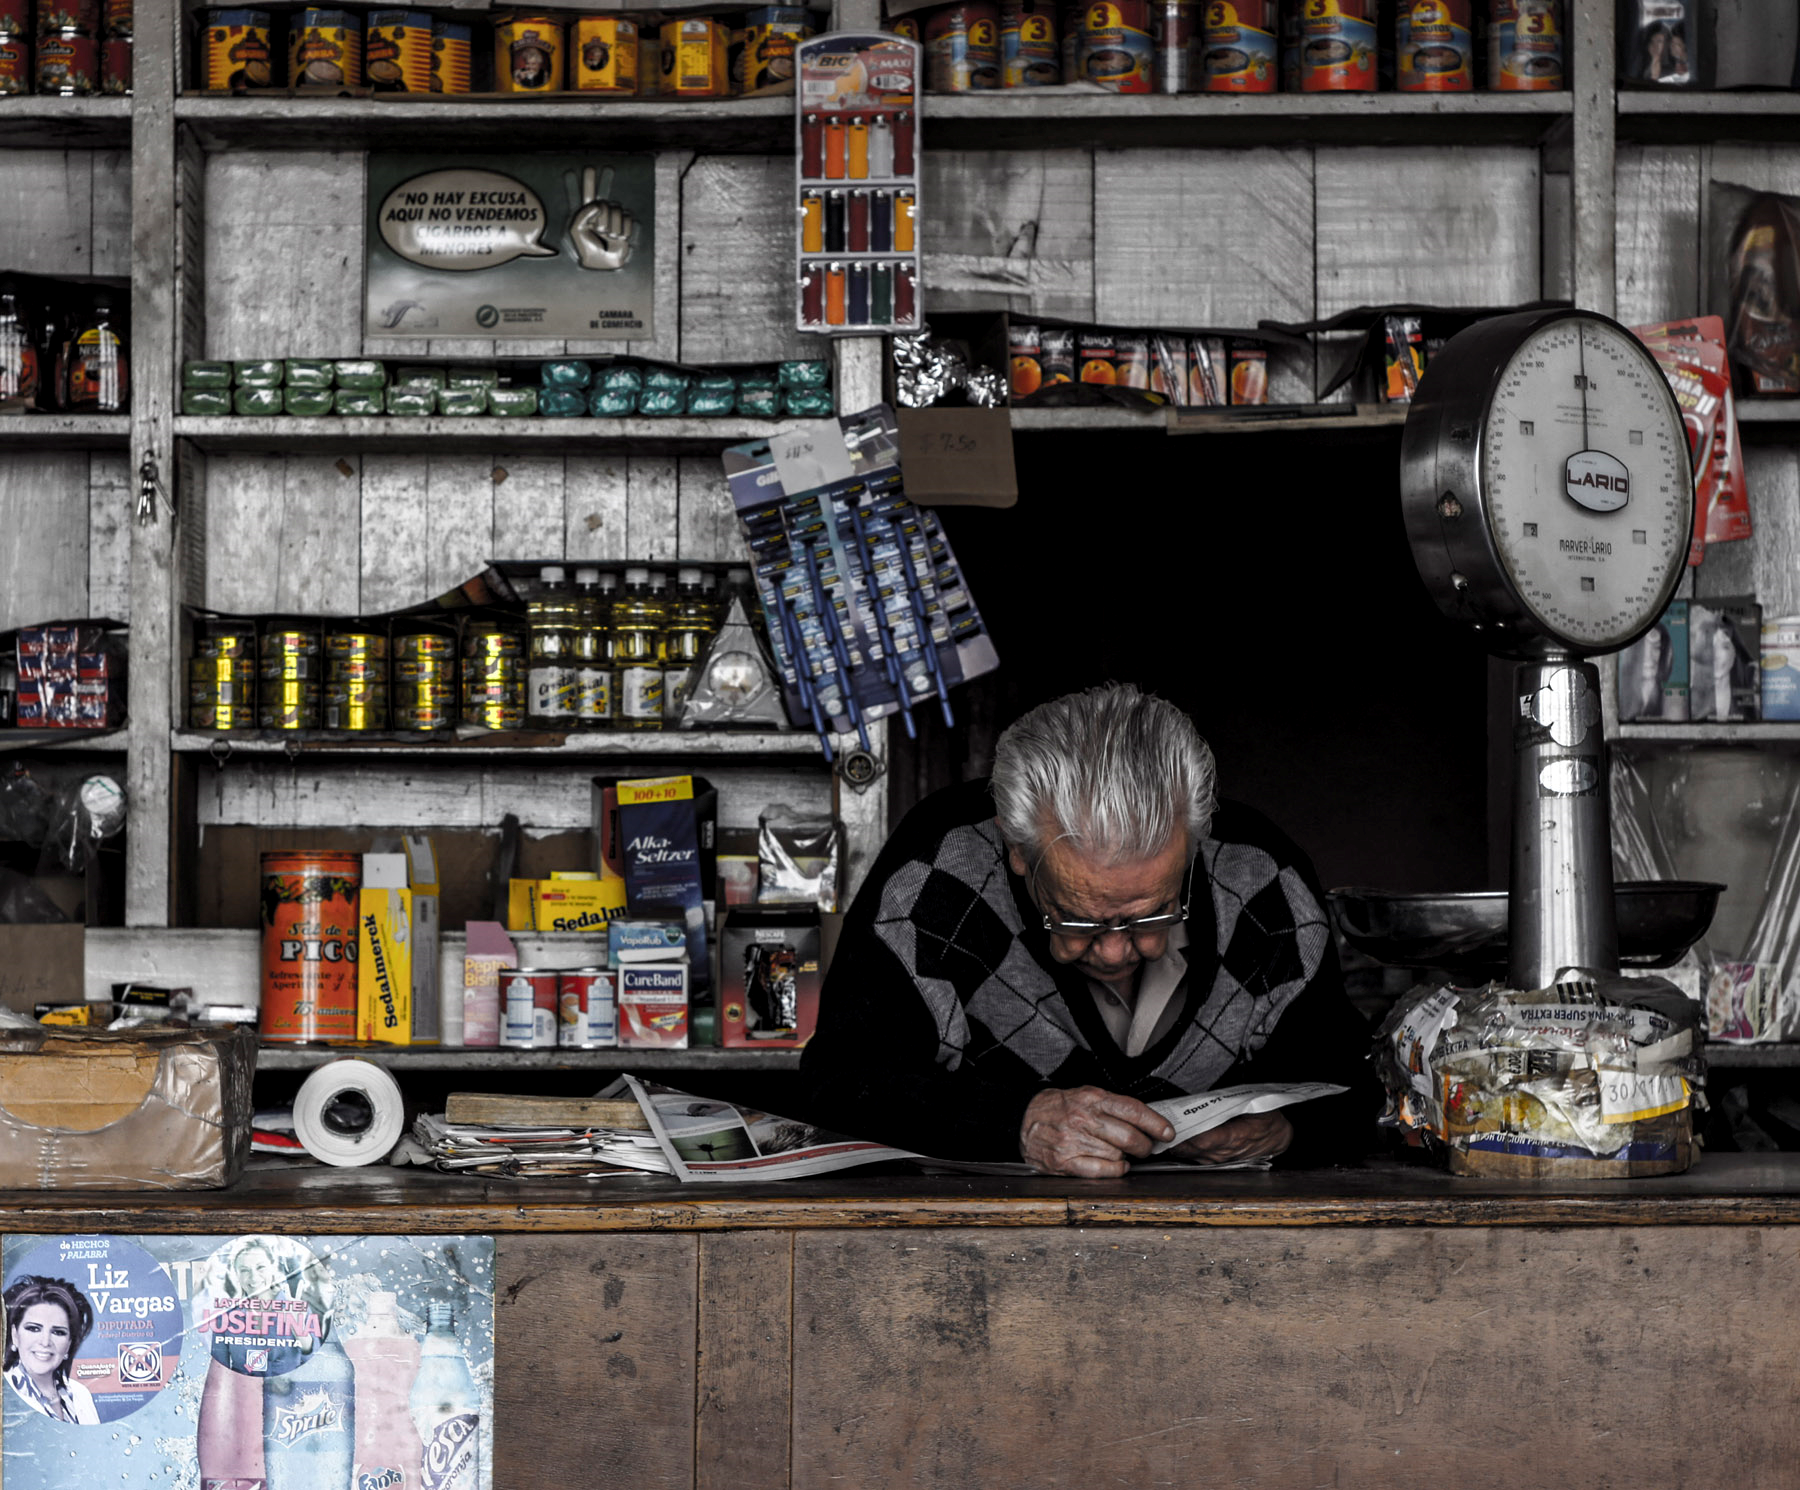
(944, 1013)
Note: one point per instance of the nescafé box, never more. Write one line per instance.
(769, 976)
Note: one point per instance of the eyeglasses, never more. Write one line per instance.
(1136, 927)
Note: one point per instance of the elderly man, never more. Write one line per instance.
(1036, 957)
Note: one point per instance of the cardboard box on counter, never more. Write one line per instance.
(133, 1110)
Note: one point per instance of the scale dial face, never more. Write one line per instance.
(1585, 485)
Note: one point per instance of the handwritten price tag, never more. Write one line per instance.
(958, 457)
(811, 456)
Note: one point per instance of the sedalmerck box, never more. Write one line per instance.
(397, 996)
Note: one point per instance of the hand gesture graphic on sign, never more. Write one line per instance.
(602, 231)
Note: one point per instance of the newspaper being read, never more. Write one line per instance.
(711, 1140)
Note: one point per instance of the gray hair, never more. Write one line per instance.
(1115, 770)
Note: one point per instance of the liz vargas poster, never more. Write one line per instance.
(539, 246)
(256, 1362)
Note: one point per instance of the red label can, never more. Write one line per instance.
(1338, 50)
(54, 16)
(15, 65)
(1239, 46)
(1434, 49)
(309, 905)
(588, 1009)
(68, 65)
(529, 1002)
(116, 17)
(115, 66)
(15, 17)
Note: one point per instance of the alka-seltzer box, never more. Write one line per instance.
(1653, 670)
(653, 1005)
(1724, 658)
(397, 997)
(1781, 668)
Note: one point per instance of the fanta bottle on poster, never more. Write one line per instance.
(309, 1420)
(230, 1431)
(446, 1409)
(388, 1453)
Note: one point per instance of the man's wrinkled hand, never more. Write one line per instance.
(1256, 1135)
(1088, 1132)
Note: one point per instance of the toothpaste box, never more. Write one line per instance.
(653, 1006)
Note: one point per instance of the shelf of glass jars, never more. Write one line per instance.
(397, 121)
(28, 122)
(401, 1059)
(64, 431)
(782, 744)
(85, 740)
(396, 434)
(1680, 117)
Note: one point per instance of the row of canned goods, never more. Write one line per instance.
(65, 64)
(1241, 46)
(98, 19)
(575, 1008)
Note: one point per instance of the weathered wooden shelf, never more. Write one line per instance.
(401, 122)
(64, 431)
(1712, 732)
(1061, 118)
(1678, 116)
(31, 123)
(1054, 421)
(700, 1058)
(440, 436)
(62, 739)
(598, 743)
(1776, 415)
(1726, 1056)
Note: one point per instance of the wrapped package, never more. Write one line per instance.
(798, 854)
(1582, 1080)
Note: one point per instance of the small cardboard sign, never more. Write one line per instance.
(958, 457)
(811, 456)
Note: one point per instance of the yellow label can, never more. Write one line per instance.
(528, 53)
(397, 51)
(606, 54)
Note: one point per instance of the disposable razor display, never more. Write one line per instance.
(857, 121)
(868, 610)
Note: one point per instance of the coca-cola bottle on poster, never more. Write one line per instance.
(388, 1452)
(309, 1420)
(230, 1434)
(446, 1409)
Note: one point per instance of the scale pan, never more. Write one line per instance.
(1466, 934)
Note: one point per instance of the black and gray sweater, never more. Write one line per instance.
(944, 1012)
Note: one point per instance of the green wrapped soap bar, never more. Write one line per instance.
(258, 374)
(621, 378)
(412, 402)
(806, 403)
(662, 402)
(433, 378)
(308, 372)
(256, 401)
(566, 375)
(474, 377)
(310, 402)
(203, 401)
(757, 377)
(608, 403)
(512, 402)
(666, 380)
(363, 377)
(759, 403)
(206, 375)
(711, 401)
(462, 403)
(805, 374)
(562, 403)
(357, 402)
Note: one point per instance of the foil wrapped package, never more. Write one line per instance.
(1580, 1080)
(139, 1109)
(799, 856)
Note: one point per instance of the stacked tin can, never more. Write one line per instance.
(287, 695)
(68, 48)
(222, 679)
(424, 686)
(15, 46)
(115, 47)
(356, 680)
(493, 676)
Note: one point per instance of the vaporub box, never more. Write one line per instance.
(653, 1006)
(768, 978)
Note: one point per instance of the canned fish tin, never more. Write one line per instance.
(606, 54)
(325, 49)
(363, 644)
(415, 644)
(233, 643)
(1337, 46)
(397, 51)
(231, 692)
(115, 66)
(1175, 43)
(15, 65)
(309, 909)
(440, 670)
(962, 48)
(284, 642)
(1116, 50)
(68, 65)
(1029, 55)
(221, 716)
(694, 61)
(291, 667)
(288, 706)
(1525, 46)
(411, 715)
(529, 1000)
(486, 639)
(351, 706)
(528, 53)
(1237, 46)
(449, 57)
(357, 670)
(221, 670)
(236, 50)
(1433, 49)
(57, 16)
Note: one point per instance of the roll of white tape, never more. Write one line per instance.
(349, 1113)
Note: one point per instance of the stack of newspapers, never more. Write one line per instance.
(486, 1133)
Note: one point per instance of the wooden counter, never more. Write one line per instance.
(1381, 1326)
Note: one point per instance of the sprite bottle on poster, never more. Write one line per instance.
(309, 1420)
(446, 1408)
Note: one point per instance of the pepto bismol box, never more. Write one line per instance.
(653, 1006)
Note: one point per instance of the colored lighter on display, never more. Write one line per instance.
(856, 120)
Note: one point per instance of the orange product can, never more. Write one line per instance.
(694, 62)
(397, 52)
(327, 49)
(528, 53)
(1434, 50)
(1025, 347)
(449, 57)
(1238, 51)
(236, 52)
(1338, 48)
(309, 907)
(606, 54)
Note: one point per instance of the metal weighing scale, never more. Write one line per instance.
(1549, 503)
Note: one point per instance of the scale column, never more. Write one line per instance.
(1560, 914)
